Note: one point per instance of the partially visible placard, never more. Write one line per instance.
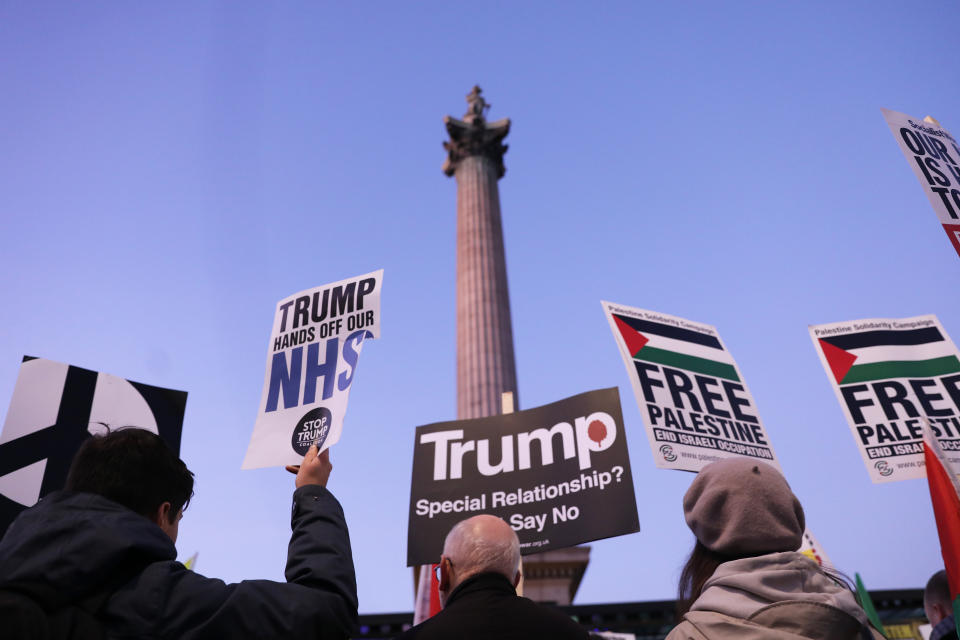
(887, 373)
(934, 156)
(54, 408)
(311, 362)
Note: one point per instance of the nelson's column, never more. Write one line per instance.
(485, 362)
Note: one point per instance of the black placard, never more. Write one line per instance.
(575, 489)
(58, 442)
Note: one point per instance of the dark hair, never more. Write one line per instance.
(132, 467)
(701, 564)
(937, 590)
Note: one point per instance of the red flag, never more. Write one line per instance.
(427, 602)
(945, 496)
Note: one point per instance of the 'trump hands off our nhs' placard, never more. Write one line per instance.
(694, 401)
(314, 347)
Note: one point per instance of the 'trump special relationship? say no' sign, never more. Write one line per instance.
(558, 474)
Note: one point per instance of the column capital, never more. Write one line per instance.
(474, 136)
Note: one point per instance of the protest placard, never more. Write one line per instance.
(694, 401)
(54, 408)
(558, 474)
(887, 373)
(935, 158)
(812, 548)
(311, 362)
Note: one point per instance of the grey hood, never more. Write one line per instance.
(740, 588)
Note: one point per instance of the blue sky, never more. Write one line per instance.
(171, 171)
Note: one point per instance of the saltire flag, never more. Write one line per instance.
(696, 406)
(867, 603)
(888, 374)
(812, 548)
(945, 496)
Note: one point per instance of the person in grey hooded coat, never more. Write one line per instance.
(745, 579)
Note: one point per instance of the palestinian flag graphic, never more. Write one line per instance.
(882, 354)
(696, 406)
(676, 347)
(888, 376)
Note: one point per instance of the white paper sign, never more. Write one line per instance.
(887, 373)
(311, 362)
(694, 401)
(934, 156)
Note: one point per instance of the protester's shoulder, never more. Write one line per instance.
(173, 577)
(685, 631)
(163, 593)
(561, 625)
(798, 623)
(442, 625)
(165, 583)
(710, 625)
(514, 615)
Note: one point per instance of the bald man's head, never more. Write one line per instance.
(483, 544)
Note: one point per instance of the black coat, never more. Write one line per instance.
(486, 606)
(70, 545)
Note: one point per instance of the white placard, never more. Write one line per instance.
(311, 362)
(934, 156)
(887, 373)
(693, 398)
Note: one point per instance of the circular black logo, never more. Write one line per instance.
(312, 428)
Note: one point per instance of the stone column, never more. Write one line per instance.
(485, 361)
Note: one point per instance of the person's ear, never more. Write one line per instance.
(516, 579)
(161, 516)
(444, 574)
(942, 611)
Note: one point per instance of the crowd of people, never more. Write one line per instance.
(97, 560)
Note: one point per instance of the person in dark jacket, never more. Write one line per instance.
(939, 607)
(478, 575)
(112, 531)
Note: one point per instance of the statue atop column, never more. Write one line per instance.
(477, 109)
(474, 136)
